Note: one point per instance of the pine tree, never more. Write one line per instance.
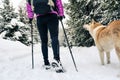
(4, 17)
(7, 12)
(12, 27)
(26, 30)
(22, 15)
(83, 11)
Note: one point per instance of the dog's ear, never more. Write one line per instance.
(93, 21)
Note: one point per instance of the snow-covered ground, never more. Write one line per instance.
(15, 64)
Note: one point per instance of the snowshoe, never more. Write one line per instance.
(57, 66)
(46, 67)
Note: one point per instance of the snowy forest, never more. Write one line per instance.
(14, 25)
(83, 11)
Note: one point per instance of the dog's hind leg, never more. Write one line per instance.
(116, 39)
(118, 52)
(108, 57)
(101, 53)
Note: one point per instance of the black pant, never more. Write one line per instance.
(49, 22)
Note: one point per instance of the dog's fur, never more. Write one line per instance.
(105, 37)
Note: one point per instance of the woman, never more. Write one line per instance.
(47, 19)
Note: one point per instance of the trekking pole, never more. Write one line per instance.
(69, 45)
(32, 45)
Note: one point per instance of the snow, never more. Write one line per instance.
(14, 22)
(15, 64)
(3, 34)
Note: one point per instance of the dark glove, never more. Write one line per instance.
(30, 20)
(61, 17)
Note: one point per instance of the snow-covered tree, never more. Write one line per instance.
(10, 26)
(6, 14)
(83, 11)
(27, 28)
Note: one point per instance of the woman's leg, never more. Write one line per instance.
(43, 31)
(54, 29)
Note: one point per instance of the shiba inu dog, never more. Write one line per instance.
(106, 37)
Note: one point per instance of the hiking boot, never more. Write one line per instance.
(47, 65)
(56, 64)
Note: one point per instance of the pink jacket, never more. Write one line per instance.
(58, 4)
